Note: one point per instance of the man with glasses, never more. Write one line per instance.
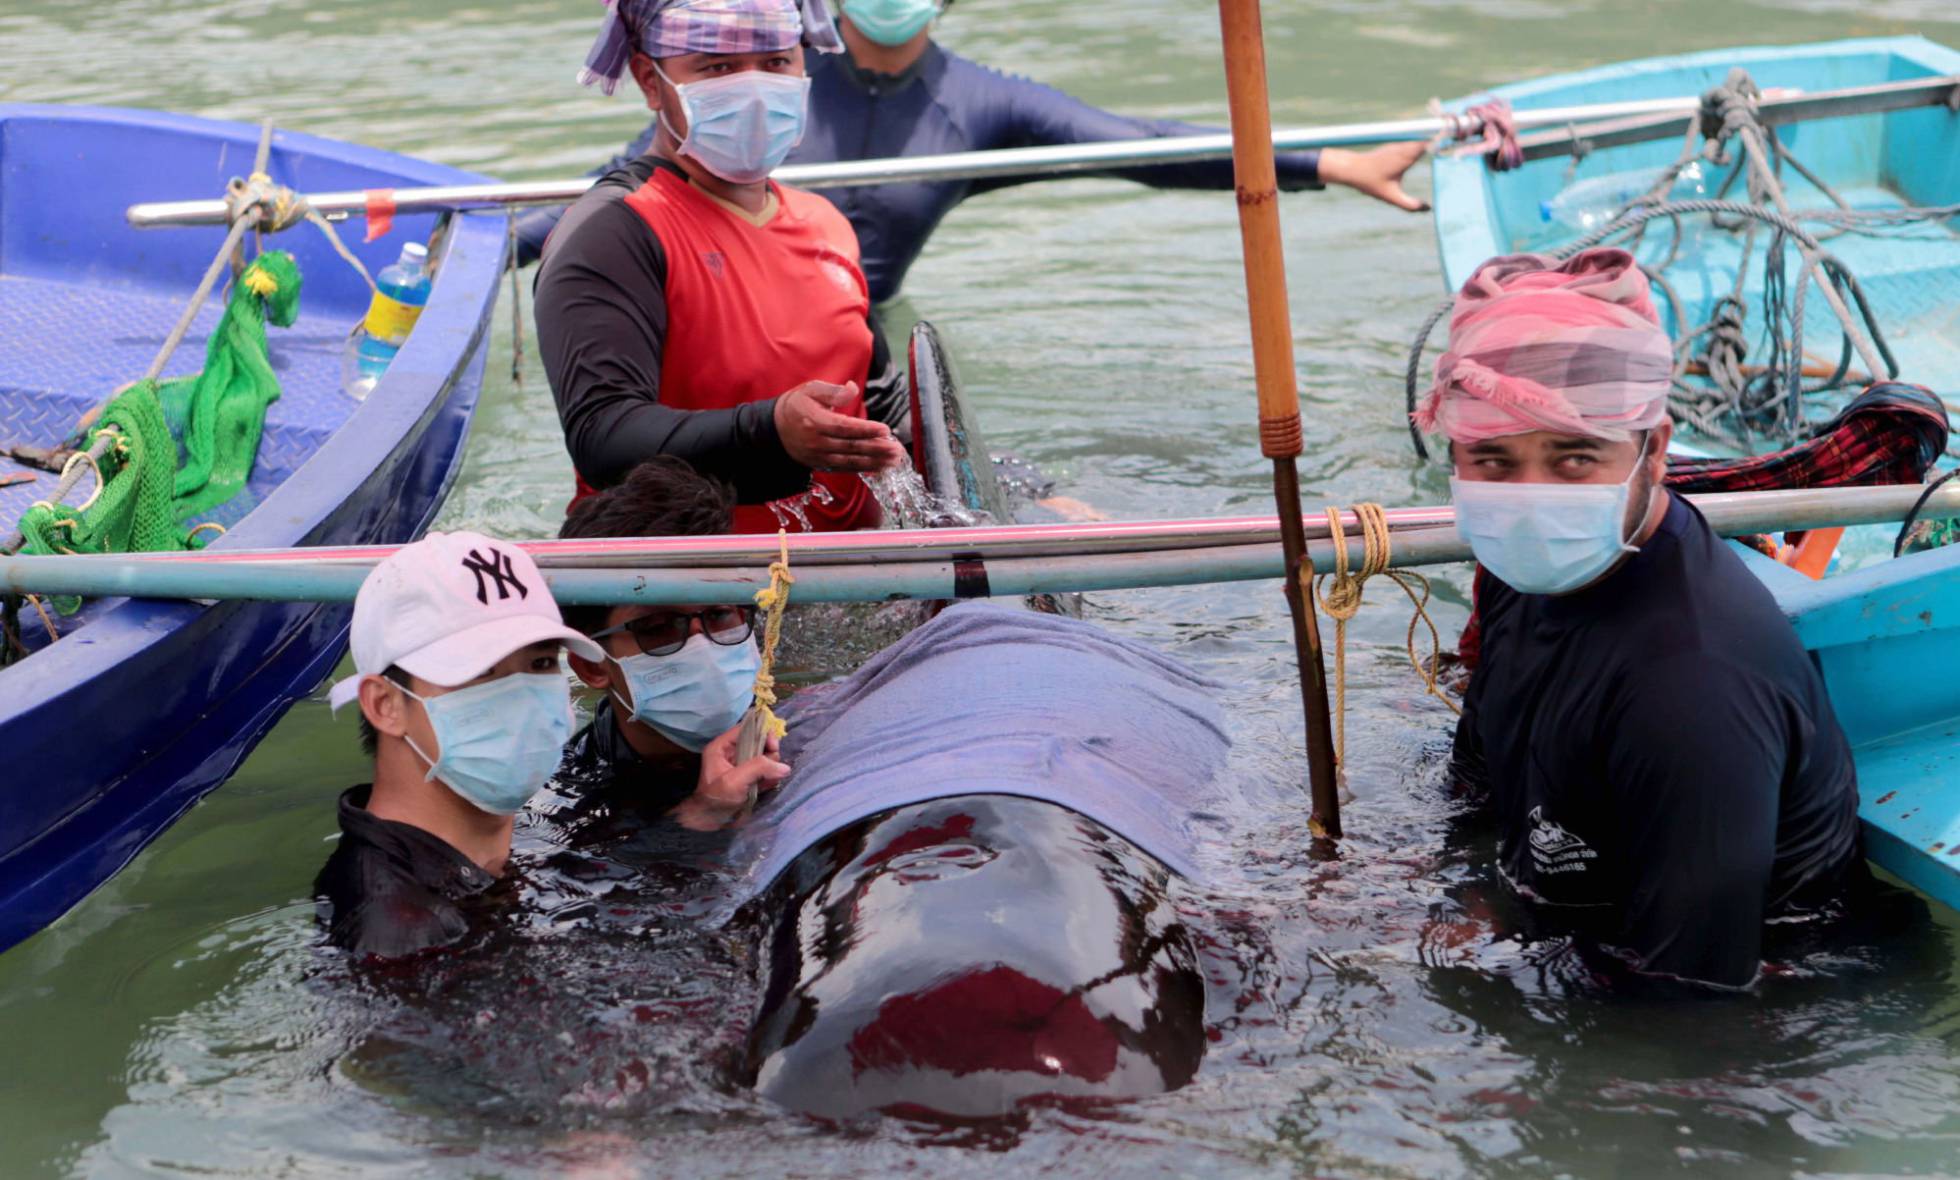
(677, 679)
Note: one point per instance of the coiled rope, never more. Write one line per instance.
(1340, 595)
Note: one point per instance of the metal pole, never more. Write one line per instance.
(1272, 362)
(1777, 108)
(297, 579)
(1729, 513)
(873, 546)
(1099, 157)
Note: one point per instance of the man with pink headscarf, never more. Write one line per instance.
(1657, 747)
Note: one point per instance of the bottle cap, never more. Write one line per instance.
(415, 252)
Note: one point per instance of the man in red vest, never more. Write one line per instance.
(689, 306)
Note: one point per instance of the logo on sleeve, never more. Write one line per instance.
(1555, 850)
(497, 568)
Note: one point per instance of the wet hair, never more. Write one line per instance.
(370, 738)
(662, 497)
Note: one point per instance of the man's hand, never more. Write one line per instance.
(723, 790)
(1377, 173)
(819, 435)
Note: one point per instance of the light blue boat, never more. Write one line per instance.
(1876, 161)
(1887, 635)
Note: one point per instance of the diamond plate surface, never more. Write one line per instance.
(68, 346)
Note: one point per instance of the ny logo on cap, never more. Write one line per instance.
(498, 567)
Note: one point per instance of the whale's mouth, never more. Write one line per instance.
(995, 1019)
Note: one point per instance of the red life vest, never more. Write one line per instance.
(756, 310)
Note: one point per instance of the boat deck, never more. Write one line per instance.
(1905, 784)
(49, 379)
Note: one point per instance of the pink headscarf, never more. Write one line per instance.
(1571, 347)
(668, 28)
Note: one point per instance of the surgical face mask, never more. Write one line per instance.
(891, 22)
(741, 126)
(694, 695)
(497, 742)
(1544, 538)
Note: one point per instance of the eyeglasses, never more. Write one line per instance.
(665, 634)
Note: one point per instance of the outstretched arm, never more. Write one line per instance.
(1028, 114)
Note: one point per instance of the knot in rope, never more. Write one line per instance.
(1342, 602)
(272, 206)
(1726, 110)
(760, 723)
(1495, 127)
(1728, 345)
(771, 600)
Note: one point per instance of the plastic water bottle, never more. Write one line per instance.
(1590, 203)
(363, 362)
(401, 291)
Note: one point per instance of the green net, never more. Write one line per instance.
(183, 446)
(219, 414)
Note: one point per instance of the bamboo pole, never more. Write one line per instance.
(1272, 362)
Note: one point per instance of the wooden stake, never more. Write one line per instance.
(1272, 362)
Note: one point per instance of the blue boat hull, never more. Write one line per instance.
(142, 707)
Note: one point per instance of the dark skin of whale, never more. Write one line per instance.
(964, 957)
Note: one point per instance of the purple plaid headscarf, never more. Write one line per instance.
(668, 28)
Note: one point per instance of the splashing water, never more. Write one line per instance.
(789, 512)
(910, 504)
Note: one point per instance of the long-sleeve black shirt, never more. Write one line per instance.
(601, 310)
(1664, 763)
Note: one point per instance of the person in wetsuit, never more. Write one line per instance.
(465, 709)
(676, 680)
(689, 306)
(896, 92)
(1656, 746)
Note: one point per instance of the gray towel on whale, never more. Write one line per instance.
(992, 700)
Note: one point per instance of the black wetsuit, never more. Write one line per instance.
(393, 889)
(610, 797)
(945, 103)
(1662, 758)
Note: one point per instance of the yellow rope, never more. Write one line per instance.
(1342, 601)
(760, 723)
(771, 600)
(209, 524)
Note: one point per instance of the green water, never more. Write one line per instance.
(168, 1026)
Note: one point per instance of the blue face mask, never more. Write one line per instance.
(498, 742)
(694, 695)
(891, 22)
(1544, 538)
(741, 126)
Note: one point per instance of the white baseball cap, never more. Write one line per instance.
(447, 608)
